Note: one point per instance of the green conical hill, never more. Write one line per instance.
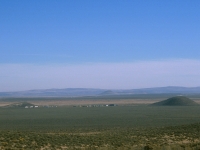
(176, 101)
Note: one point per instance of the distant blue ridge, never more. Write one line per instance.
(74, 92)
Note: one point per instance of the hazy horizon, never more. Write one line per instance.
(98, 88)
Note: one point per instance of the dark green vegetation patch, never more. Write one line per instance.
(121, 127)
(185, 137)
(176, 101)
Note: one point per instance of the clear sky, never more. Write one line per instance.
(99, 44)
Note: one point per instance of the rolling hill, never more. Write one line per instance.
(176, 101)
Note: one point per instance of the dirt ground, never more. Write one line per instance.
(86, 102)
(94, 102)
(90, 102)
(98, 102)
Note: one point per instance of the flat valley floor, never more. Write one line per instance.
(130, 124)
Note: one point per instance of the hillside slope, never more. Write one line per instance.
(176, 101)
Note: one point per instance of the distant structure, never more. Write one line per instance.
(111, 105)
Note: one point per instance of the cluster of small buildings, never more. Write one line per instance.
(45, 106)
(49, 106)
(95, 105)
(31, 106)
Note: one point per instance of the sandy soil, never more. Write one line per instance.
(92, 102)
(5, 103)
(86, 102)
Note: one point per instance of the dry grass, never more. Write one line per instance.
(92, 102)
(5, 103)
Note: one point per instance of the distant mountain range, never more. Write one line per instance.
(74, 92)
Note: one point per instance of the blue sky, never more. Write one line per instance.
(46, 35)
